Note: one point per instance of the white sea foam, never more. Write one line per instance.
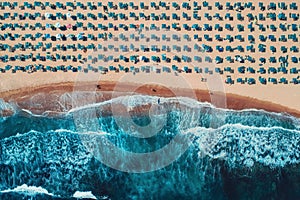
(243, 145)
(28, 112)
(139, 100)
(131, 101)
(84, 195)
(28, 190)
(5, 105)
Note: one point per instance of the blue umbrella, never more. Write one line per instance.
(47, 35)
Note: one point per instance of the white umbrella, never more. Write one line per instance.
(47, 15)
(57, 25)
(58, 36)
(68, 15)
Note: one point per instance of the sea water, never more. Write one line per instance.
(249, 154)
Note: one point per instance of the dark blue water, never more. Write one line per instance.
(218, 154)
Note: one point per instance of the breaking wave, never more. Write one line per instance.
(227, 147)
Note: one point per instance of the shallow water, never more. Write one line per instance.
(215, 154)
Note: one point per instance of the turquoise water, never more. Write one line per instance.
(248, 154)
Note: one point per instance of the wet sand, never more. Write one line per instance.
(106, 89)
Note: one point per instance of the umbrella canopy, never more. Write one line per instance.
(57, 25)
(69, 26)
(47, 15)
(48, 25)
(58, 36)
(79, 36)
(68, 15)
(70, 35)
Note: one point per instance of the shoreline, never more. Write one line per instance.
(233, 101)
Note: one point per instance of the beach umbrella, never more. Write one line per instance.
(48, 25)
(47, 35)
(70, 35)
(79, 36)
(58, 36)
(68, 15)
(69, 26)
(57, 25)
(47, 15)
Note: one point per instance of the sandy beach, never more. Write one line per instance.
(271, 97)
(231, 100)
